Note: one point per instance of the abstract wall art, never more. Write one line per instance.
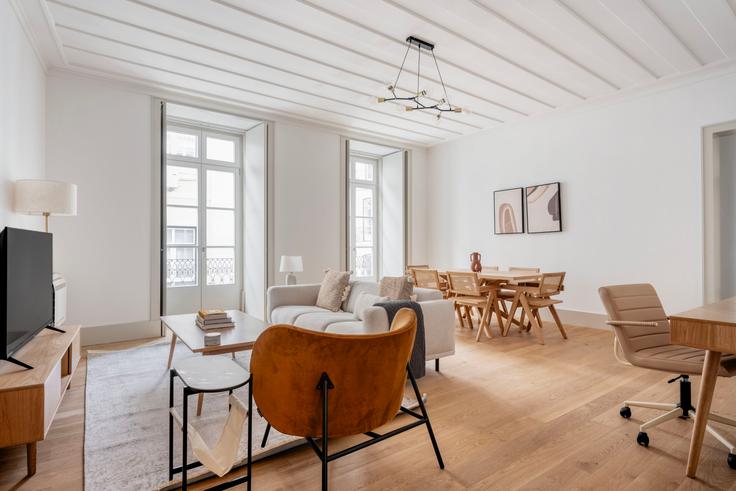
(508, 216)
(543, 208)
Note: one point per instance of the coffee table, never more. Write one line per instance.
(242, 337)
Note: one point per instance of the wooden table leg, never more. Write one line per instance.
(512, 313)
(532, 320)
(171, 350)
(200, 403)
(31, 458)
(707, 386)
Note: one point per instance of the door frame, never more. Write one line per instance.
(202, 164)
(711, 210)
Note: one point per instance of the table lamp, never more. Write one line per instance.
(38, 197)
(291, 265)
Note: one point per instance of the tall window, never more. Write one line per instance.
(201, 198)
(363, 206)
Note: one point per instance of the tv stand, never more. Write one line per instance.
(52, 328)
(10, 359)
(29, 399)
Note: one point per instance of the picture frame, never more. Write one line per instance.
(543, 206)
(508, 211)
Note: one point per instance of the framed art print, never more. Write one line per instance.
(543, 208)
(508, 211)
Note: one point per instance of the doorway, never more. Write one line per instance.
(719, 182)
(203, 215)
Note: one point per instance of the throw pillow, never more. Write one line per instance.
(364, 301)
(334, 289)
(395, 287)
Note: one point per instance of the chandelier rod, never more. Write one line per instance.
(447, 98)
(396, 82)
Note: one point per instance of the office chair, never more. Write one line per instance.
(643, 339)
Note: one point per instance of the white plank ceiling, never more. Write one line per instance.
(327, 60)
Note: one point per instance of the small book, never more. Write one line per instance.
(219, 325)
(212, 314)
(218, 320)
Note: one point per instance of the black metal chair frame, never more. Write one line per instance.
(188, 391)
(325, 385)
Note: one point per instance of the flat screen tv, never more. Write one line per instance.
(26, 292)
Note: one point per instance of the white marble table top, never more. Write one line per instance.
(211, 373)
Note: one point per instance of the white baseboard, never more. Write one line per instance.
(578, 318)
(113, 333)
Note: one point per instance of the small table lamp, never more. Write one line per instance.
(291, 265)
(38, 197)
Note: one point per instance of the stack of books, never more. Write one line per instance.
(213, 319)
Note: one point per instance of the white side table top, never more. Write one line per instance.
(211, 373)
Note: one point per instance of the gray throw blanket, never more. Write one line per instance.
(417, 355)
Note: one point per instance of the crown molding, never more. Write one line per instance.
(20, 14)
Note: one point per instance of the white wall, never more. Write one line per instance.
(727, 156)
(631, 193)
(99, 138)
(254, 221)
(22, 117)
(307, 199)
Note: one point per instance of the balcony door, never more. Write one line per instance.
(203, 220)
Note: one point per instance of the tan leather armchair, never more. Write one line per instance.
(642, 339)
(321, 385)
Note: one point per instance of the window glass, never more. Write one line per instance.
(219, 149)
(220, 227)
(220, 266)
(363, 171)
(363, 202)
(181, 185)
(181, 266)
(220, 189)
(363, 261)
(182, 144)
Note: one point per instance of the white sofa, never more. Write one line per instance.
(295, 305)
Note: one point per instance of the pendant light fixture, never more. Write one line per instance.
(420, 101)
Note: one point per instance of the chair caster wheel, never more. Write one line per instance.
(625, 412)
(642, 439)
(732, 461)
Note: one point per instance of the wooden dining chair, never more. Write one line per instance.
(410, 269)
(467, 292)
(429, 278)
(508, 292)
(534, 298)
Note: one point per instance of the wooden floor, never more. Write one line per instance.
(508, 414)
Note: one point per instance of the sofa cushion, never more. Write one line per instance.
(352, 327)
(364, 301)
(356, 288)
(287, 314)
(334, 290)
(396, 287)
(318, 321)
(425, 294)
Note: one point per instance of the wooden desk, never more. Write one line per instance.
(712, 328)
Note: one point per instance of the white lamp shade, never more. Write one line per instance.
(291, 264)
(36, 197)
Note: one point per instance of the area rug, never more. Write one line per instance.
(127, 425)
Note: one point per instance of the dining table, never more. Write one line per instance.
(498, 279)
(712, 328)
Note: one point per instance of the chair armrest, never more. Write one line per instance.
(633, 323)
(278, 296)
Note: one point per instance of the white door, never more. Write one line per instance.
(203, 236)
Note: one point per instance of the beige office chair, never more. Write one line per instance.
(643, 339)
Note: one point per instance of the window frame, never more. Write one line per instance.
(374, 186)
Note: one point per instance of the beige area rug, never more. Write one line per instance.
(127, 425)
